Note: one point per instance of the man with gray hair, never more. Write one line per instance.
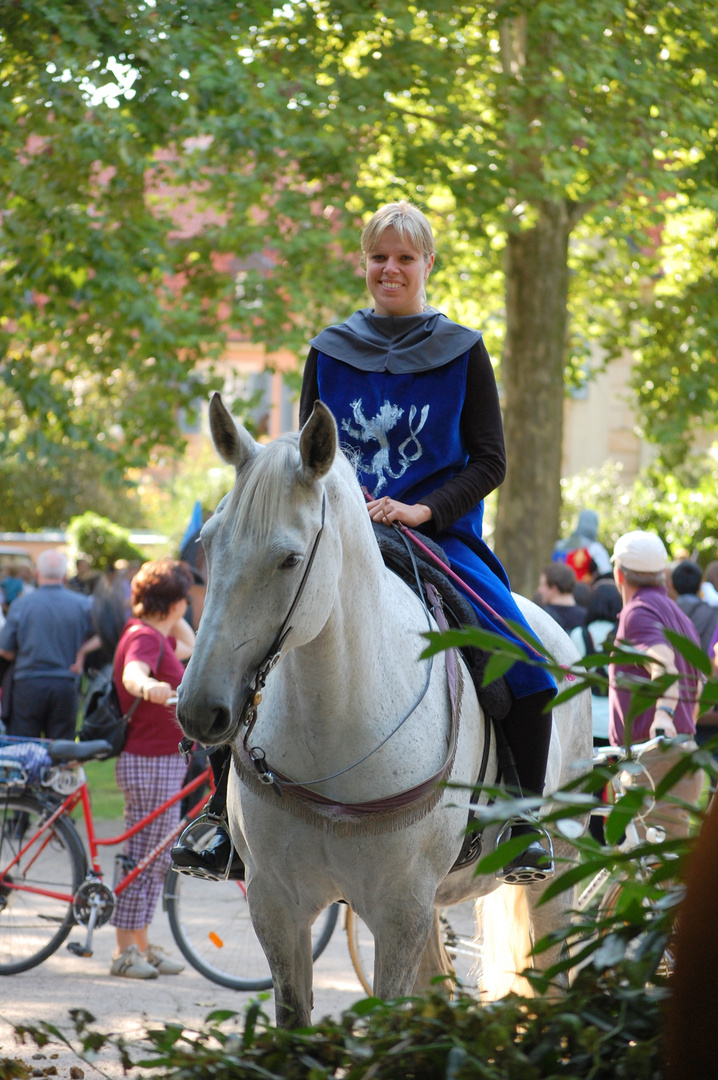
(47, 634)
(639, 562)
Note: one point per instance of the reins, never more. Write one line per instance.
(446, 569)
(249, 715)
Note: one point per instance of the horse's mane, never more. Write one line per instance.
(262, 488)
(263, 485)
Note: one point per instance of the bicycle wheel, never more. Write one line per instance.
(210, 923)
(36, 890)
(458, 928)
(608, 909)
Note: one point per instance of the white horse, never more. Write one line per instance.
(349, 713)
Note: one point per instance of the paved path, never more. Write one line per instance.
(128, 1006)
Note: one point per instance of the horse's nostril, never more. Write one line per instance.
(207, 725)
(221, 720)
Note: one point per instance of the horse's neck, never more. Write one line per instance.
(352, 703)
(372, 630)
(350, 684)
(365, 614)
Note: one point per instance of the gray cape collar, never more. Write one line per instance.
(396, 343)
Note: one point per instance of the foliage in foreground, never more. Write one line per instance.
(608, 1024)
(607, 1027)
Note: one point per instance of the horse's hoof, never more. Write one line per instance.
(532, 865)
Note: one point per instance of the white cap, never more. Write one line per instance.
(640, 551)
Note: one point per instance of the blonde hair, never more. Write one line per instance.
(409, 222)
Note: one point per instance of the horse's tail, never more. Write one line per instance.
(504, 940)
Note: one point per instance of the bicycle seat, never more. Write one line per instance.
(68, 750)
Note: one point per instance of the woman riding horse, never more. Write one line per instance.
(415, 398)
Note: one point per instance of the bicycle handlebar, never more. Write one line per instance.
(603, 754)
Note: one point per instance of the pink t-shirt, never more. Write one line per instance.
(154, 730)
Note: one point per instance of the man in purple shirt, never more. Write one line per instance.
(640, 560)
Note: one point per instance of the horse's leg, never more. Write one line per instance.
(545, 919)
(284, 933)
(435, 961)
(401, 931)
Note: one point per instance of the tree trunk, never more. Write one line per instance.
(532, 375)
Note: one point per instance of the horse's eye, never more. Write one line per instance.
(290, 561)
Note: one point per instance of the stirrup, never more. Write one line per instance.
(534, 864)
(197, 871)
(205, 818)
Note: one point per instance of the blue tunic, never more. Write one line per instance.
(404, 432)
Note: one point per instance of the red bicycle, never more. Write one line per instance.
(49, 884)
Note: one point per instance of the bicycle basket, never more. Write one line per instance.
(22, 763)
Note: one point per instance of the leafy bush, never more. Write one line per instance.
(100, 541)
(682, 507)
(606, 1028)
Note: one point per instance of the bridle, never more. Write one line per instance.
(254, 696)
(248, 716)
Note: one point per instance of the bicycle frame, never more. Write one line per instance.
(614, 755)
(94, 842)
(81, 796)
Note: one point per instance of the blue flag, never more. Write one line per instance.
(195, 524)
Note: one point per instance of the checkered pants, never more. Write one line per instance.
(146, 782)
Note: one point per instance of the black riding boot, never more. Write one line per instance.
(212, 860)
(527, 730)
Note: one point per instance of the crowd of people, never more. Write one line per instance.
(642, 596)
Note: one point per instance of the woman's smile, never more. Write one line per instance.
(396, 274)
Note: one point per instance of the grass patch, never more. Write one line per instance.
(106, 797)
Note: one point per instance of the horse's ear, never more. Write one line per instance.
(233, 444)
(318, 443)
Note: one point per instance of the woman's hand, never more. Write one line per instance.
(387, 511)
(137, 680)
(157, 692)
(88, 646)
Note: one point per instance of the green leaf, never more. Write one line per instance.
(569, 878)
(610, 951)
(366, 1006)
(693, 653)
(503, 854)
(496, 667)
(470, 636)
(579, 686)
(623, 812)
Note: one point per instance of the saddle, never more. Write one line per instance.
(495, 699)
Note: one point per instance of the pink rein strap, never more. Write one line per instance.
(446, 569)
(468, 590)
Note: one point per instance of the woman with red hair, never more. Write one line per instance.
(148, 665)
